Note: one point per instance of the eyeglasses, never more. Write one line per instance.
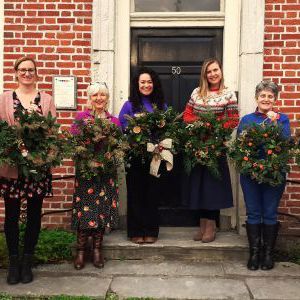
(98, 82)
(31, 71)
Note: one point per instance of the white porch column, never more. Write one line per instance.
(103, 42)
(251, 65)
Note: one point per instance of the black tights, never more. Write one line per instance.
(33, 225)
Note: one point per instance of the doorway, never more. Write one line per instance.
(177, 56)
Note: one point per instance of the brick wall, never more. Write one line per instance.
(57, 33)
(282, 64)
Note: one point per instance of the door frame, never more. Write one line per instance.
(228, 18)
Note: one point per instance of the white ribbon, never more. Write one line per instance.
(160, 152)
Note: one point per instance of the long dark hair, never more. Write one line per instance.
(156, 97)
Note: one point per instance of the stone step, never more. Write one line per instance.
(176, 243)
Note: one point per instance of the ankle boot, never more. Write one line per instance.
(82, 237)
(97, 251)
(198, 236)
(254, 239)
(270, 233)
(26, 272)
(209, 234)
(13, 275)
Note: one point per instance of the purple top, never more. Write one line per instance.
(127, 109)
(87, 114)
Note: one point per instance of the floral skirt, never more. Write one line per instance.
(23, 188)
(95, 203)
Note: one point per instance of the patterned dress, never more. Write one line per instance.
(22, 187)
(95, 201)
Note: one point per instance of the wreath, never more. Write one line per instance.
(206, 142)
(154, 136)
(34, 145)
(262, 152)
(98, 146)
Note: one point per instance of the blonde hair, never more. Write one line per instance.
(94, 88)
(203, 84)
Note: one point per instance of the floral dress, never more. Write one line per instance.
(96, 200)
(23, 187)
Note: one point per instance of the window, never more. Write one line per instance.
(175, 5)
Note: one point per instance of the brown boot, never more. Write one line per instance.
(198, 236)
(98, 260)
(82, 237)
(210, 232)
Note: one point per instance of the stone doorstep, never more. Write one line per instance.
(176, 243)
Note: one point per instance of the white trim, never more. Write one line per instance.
(1, 43)
(177, 19)
(122, 54)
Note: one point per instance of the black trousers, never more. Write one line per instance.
(143, 192)
(33, 225)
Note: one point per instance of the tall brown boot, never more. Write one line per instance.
(210, 232)
(198, 236)
(98, 260)
(82, 237)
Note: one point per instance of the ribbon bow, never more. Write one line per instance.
(160, 152)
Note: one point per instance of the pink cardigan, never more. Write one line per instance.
(7, 114)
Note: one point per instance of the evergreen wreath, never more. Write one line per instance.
(98, 146)
(262, 152)
(205, 142)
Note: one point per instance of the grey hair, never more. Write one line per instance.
(94, 88)
(267, 85)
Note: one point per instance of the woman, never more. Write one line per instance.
(143, 189)
(207, 194)
(262, 200)
(13, 187)
(95, 201)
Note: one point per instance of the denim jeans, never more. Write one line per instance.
(261, 200)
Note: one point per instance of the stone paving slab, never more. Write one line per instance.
(180, 288)
(273, 288)
(73, 286)
(138, 268)
(282, 269)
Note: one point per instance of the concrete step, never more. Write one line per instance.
(176, 243)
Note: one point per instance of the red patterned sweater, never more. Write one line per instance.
(223, 104)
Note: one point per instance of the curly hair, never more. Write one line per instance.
(156, 97)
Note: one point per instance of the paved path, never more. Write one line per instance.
(163, 280)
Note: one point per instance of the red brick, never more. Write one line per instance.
(291, 7)
(290, 36)
(66, 20)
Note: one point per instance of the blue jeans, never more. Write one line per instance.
(261, 200)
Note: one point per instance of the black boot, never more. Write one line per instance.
(254, 239)
(13, 276)
(26, 272)
(270, 233)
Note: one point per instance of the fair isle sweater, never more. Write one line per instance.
(223, 104)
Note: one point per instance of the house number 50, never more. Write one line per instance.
(176, 70)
